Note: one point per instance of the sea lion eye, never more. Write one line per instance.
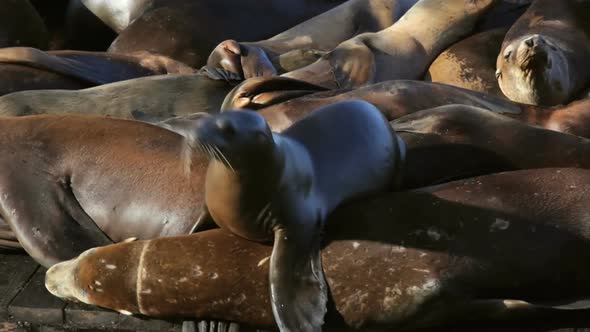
(507, 55)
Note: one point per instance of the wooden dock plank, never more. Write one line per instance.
(90, 317)
(35, 304)
(15, 272)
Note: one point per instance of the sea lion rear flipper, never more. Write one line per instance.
(55, 227)
(297, 286)
(209, 326)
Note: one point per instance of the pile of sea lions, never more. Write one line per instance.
(300, 165)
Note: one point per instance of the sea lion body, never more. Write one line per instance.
(471, 63)
(147, 99)
(21, 25)
(476, 141)
(264, 186)
(188, 30)
(464, 250)
(272, 98)
(308, 41)
(543, 57)
(402, 51)
(31, 69)
(72, 182)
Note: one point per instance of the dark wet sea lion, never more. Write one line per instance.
(188, 30)
(26, 68)
(21, 25)
(304, 43)
(148, 99)
(281, 187)
(475, 141)
(402, 51)
(544, 54)
(464, 250)
(470, 63)
(69, 183)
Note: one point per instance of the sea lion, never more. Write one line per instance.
(21, 25)
(469, 249)
(264, 187)
(307, 41)
(470, 63)
(69, 24)
(476, 142)
(149, 99)
(26, 68)
(71, 182)
(188, 30)
(402, 51)
(544, 54)
(270, 96)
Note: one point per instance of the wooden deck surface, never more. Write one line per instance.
(25, 305)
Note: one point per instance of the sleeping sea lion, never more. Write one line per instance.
(264, 187)
(69, 183)
(271, 97)
(149, 99)
(544, 54)
(466, 250)
(187, 30)
(402, 51)
(26, 68)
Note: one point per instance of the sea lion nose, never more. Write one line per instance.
(225, 126)
(534, 41)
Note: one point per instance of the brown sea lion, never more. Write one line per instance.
(148, 99)
(469, 249)
(26, 68)
(188, 30)
(281, 187)
(21, 25)
(395, 99)
(544, 54)
(305, 43)
(402, 51)
(69, 183)
(470, 63)
(475, 142)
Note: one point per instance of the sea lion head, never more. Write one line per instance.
(236, 139)
(533, 70)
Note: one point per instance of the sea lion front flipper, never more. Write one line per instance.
(353, 64)
(297, 287)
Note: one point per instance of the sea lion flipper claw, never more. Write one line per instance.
(255, 62)
(297, 286)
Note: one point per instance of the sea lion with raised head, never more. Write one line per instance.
(25, 68)
(308, 41)
(544, 54)
(187, 30)
(402, 51)
(69, 183)
(149, 99)
(281, 187)
(469, 249)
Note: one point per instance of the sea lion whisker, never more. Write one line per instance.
(225, 159)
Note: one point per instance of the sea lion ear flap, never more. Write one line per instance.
(297, 287)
